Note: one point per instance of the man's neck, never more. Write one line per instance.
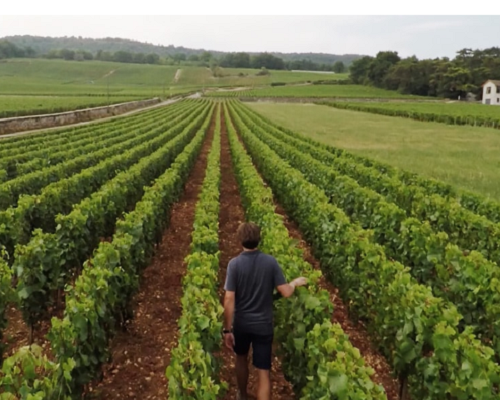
(250, 250)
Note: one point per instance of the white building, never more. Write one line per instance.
(491, 92)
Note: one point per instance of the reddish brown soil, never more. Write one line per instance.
(142, 353)
(231, 215)
(358, 335)
(17, 332)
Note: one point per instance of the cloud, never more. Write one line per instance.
(431, 25)
(424, 36)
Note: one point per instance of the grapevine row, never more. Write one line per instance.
(193, 371)
(39, 211)
(458, 118)
(466, 229)
(18, 144)
(469, 281)
(33, 182)
(50, 260)
(316, 352)
(471, 201)
(99, 301)
(50, 154)
(417, 332)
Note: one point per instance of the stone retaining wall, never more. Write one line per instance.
(30, 122)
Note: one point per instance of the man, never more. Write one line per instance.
(248, 308)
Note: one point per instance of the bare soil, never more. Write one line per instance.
(141, 354)
(17, 332)
(231, 215)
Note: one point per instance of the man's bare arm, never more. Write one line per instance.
(287, 289)
(229, 300)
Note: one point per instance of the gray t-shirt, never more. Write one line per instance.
(253, 275)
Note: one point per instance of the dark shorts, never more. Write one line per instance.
(262, 346)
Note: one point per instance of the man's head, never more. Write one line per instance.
(249, 235)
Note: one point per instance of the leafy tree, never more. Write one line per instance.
(206, 56)
(52, 54)
(104, 56)
(359, 69)
(339, 67)
(267, 61)
(152, 58)
(139, 58)
(242, 60)
(123, 56)
(67, 54)
(379, 67)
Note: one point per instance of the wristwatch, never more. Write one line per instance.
(225, 331)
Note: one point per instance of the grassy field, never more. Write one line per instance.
(466, 157)
(319, 91)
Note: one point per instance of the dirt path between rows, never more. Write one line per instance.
(231, 215)
(17, 332)
(142, 353)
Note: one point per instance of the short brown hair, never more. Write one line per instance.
(249, 235)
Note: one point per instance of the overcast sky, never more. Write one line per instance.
(423, 36)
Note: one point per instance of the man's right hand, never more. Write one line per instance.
(229, 340)
(287, 289)
(301, 281)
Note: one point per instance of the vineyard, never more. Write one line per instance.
(40, 86)
(452, 114)
(315, 91)
(115, 239)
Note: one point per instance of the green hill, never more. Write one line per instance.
(43, 45)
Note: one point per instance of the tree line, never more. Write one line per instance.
(205, 58)
(439, 77)
(10, 50)
(42, 45)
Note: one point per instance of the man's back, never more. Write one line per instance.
(253, 275)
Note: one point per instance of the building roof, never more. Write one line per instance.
(495, 82)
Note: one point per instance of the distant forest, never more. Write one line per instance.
(440, 77)
(124, 50)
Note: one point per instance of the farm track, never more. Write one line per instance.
(177, 76)
(141, 354)
(358, 335)
(231, 215)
